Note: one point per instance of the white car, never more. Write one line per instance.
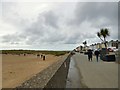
(115, 50)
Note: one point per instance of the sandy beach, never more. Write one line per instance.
(16, 69)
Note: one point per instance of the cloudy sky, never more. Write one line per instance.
(55, 25)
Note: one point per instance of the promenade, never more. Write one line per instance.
(94, 74)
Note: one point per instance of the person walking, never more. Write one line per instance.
(97, 54)
(90, 55)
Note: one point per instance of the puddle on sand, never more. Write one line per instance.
(73, 80)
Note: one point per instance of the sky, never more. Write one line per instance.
(55, 25)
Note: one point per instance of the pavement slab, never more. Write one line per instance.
(96, 74)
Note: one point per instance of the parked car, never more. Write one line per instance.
(85, 53)
(115, 50)
(110, 49)
(81, 51)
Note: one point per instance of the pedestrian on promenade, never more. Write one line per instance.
(97, 54)
(43, 58)
(90, 55)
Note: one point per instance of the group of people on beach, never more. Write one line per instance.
(90, 54)
(42, 56)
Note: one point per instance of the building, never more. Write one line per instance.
(110, 44)
(114, 44)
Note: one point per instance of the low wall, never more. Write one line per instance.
(59, 78)
(52, 77)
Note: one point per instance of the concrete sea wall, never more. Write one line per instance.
(59, 78)
(54, 76)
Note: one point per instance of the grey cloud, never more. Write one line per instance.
(73, 39)
(14, 39)
(119, 20)
(44, 29)
(118, 11)
(95, 11)
(114, 33)
(54, 37)
(51, 28)
(14, 43)
(78, 38)
(10, 38)
(51, 19)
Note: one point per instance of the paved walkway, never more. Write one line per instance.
(96, 74)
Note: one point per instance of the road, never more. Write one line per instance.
(85, 74)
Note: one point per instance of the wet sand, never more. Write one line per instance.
(17, 69)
